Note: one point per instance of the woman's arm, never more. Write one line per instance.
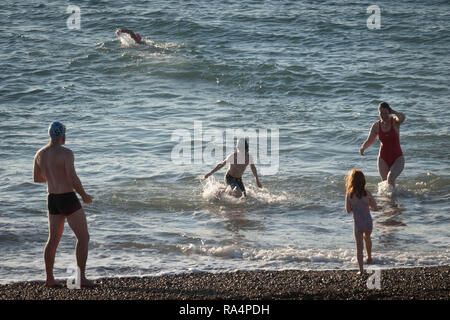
(400, 117)
(370, 139)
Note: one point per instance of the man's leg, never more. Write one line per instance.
(241, 186)
(78, 224)
(55, 231)
(233, 188)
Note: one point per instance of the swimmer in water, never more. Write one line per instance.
(135, 36)
(238, 162)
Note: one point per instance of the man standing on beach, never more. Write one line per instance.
(54, 165)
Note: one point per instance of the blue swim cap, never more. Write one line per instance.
(56, 130)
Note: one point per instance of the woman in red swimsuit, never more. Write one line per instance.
(390, 158)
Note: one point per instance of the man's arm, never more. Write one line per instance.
(76, 182)
(255, 174)
(370, 139)
(131, 33)
(38, 176)
(218, 167)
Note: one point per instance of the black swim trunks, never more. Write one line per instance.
(64, 203)
(235, 182)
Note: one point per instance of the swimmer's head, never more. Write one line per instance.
(56, 130)
(242, 145)
(138, 36)
(384, 105)
(384, 110)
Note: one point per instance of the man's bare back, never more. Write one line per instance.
(55, 165)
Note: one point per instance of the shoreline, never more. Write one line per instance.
(416, 283)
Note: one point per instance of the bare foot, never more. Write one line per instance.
(369, 260)
(53, 284)
(361, 273)
(85, 283)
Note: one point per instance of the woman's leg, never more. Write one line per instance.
(383, 169)
(395, 170)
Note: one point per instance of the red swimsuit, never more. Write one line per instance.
(390, 144)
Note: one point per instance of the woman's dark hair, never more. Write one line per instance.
(384, 105)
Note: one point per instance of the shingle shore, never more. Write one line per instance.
(403, 284)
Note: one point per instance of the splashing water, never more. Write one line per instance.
(385, 189)
(126, 40)
(214, 190)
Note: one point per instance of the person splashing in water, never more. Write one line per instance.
(238, 162)
(135, 36)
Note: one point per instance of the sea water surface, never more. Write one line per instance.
(313, 71)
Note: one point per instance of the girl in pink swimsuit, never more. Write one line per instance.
(390, 158)
(358, 200)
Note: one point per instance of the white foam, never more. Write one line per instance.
(385, 189)
(314, 258)
(214, 190)
(126, 40)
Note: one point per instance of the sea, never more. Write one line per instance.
(300, 79)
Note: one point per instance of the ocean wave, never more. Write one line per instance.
(337, 258)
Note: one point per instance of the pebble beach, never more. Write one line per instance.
(429, 283)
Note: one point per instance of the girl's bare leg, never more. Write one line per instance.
(359, 250)
(368, 242)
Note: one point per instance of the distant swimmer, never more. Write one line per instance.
(238, 162)
(390, 158)
(54, 165)
(135, 36)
